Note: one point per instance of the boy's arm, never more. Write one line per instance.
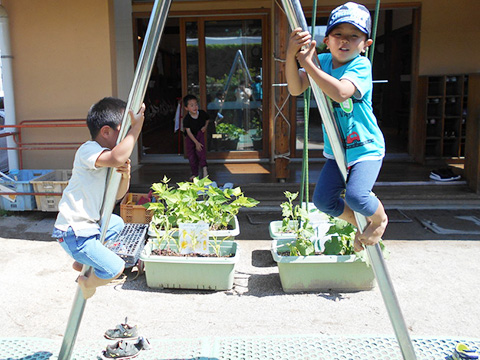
(204, 128)
(125, 171)
(122, 151)
(297, 80)
(337, 90)
(190, 135)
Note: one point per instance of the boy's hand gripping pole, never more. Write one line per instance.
(296, 18)
(143, 71)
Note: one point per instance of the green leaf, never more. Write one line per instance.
(333, 246)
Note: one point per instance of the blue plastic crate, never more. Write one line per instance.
(21, 184)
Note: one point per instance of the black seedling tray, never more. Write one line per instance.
(130, 243)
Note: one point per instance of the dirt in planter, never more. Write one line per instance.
(287, 253)
(170, 252)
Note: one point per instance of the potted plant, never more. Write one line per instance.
(191, 236)
(315, 252)
(257, 134)
(230, 135)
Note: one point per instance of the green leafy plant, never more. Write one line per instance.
(192, 202)
(230, 131)
(257, 126)
(342, 238)
(297, 220)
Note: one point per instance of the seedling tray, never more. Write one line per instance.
(130, 243)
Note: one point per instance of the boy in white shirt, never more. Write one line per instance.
(77, 227)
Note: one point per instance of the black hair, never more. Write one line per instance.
(187, 98)
(108, 111)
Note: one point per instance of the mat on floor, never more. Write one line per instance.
(252, 348)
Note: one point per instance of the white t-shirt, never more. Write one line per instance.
(82, 199)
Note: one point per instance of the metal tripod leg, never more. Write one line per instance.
(146, 60)
(296, 18)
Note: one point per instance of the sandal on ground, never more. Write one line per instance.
(122, 331)
(463, 352)
(124, 349)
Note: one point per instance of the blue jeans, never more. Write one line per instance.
(358, 195)
(90, 251)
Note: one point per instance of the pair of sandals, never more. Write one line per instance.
(129, 345)
(463, 352)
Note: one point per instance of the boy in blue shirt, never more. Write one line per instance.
(77, 227)
(346, 77)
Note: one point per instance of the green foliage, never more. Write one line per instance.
(296, 220)
(342, 238)
(192, 202)
(4, 213)
(231, 131)
(257, 125)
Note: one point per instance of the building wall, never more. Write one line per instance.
(62, 64)
(447, 30)
(65, 59)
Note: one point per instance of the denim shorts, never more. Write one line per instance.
(90, 251)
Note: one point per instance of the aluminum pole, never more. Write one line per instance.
(143, 71)
(296, 18)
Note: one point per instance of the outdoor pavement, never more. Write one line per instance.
(435, 276)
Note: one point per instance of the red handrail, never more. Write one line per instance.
(32, 124)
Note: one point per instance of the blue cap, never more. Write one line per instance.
(351, 13)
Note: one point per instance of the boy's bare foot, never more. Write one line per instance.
(77, 266)
(372, 234)
(87, 292)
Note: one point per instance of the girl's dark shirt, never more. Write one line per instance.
(195, 124)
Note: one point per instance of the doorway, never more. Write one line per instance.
(221, 61)
(224, 67)
(159, 133)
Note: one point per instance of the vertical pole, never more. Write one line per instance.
(296, 18)
(143, 71)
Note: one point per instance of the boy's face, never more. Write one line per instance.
(192, 106)
(111, 137)
(345, 42)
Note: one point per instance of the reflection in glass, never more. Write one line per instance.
(192, 59)
(234, 84)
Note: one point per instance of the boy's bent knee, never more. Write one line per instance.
(362, 204)
(332, 207)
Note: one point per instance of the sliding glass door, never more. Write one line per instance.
(224, 68)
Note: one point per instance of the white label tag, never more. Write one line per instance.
(193, 238)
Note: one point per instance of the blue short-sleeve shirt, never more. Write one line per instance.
(362, 137)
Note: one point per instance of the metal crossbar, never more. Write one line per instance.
(296, 18)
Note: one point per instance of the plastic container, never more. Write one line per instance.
(321, 272)
(21, 184)
(131, 213)
(178, 272)
(53, 182)
(129, 243)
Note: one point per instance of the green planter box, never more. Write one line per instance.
(178, 272)
(321, 272)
